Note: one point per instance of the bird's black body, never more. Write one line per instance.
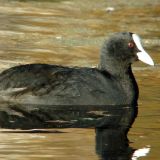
(56, 85)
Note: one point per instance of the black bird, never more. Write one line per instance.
(112, 83)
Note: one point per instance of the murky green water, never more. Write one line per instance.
(71, 33)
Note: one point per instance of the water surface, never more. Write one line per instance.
(71, 33)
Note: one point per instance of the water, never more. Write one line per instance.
(70, 33)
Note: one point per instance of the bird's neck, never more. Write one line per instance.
(117, 68)
(122, 72)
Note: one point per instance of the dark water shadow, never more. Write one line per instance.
(111, 139)
(35, 116)
(112, 123)
(32, 131)
(112, 144)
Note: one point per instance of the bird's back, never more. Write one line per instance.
(57, 85)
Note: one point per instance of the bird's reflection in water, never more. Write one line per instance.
(112, 123)
(111, 140)
(112, 144)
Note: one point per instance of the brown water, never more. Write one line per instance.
(71, 33)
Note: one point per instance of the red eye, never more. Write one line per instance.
(131, 44)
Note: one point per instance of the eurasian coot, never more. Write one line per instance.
(112, 83)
